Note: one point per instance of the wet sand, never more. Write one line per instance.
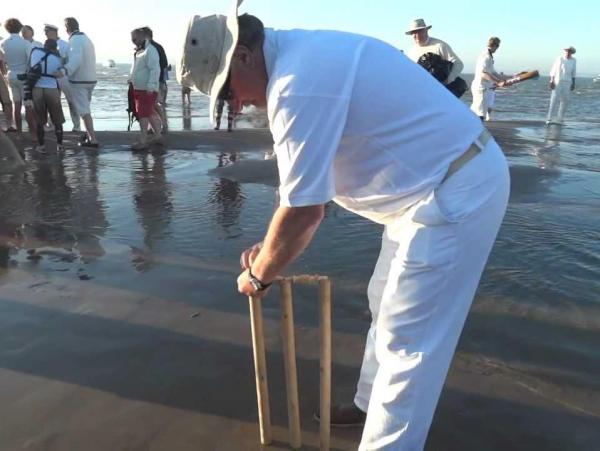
(92, 366)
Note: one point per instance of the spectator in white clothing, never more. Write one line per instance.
(145, 75)
(46, 95)
(81, 70)
(436, 56)
(51, 32)
(16, 51)
(4, 93)
(562, 82)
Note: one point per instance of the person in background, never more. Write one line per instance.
(219, 113)
(4, 93)
(485, 81)
(144, 77)
(46, 94)
(562, 82)
(80, 68)
(161, 101)
(27, 34)
(16, 52)
(424, 44)
(51, 32)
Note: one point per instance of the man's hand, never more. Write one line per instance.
(501, 84)
(245, 287)
(59, 73)
(249, 255)
(552, 85)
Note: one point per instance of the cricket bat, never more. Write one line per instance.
(522, 76)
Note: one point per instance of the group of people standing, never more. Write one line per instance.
(34, 75)
(448, 66)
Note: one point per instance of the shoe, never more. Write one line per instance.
(76, 129)
(139, 146)
(11, 130)
(60, 148)
(40, 148)
(88, 143)
(345, 416)
(83, 138)
(548, 122)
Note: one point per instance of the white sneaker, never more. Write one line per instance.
(40, 149)
(60, 148)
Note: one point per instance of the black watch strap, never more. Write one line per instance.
(256, 282)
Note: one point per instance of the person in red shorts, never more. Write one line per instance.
(144, 77)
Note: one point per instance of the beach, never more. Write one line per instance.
(122, 329)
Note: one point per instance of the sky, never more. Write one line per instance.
(533, 32)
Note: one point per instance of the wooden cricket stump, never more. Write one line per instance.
(289, 353)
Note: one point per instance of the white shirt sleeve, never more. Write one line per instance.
(74, 56)
(574, 74)
(555, 68)
(457, 64)
(307, 130)
(153, 62)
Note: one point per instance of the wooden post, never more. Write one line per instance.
(325, 364)
(289, 354)
(260, 370)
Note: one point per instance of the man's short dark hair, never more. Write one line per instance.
(71, 24)
(252, 31)
(13, 25)
(147, 31)
(28, 27)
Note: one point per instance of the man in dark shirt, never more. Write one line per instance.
(162, 81)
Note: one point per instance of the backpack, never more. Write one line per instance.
(34, 73)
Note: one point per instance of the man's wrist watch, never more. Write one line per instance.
(256, 283)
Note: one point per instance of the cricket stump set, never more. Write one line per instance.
(289, 353)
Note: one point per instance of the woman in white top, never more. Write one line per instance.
(45, 93)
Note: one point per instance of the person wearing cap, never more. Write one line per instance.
(46, 94)
(411, 157)
(562, 82)
(145, 75)
(486, 80)
(51, 32)
(424, 44)
(80, 69)
(16, 51)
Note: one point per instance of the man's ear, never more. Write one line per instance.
(243, 55)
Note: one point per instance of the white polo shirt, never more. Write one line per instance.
(16, 51)
(485, 63)
(355, 121)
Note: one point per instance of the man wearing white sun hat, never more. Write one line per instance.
(411, 157)
(562, 82)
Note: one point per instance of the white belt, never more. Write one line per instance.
(474, 149)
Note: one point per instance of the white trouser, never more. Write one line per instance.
(424, 281)
(65, 87)
(484, 100)
(559, 98)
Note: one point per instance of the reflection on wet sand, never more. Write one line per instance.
(153, 203)
(227, 198)
(56, 204)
